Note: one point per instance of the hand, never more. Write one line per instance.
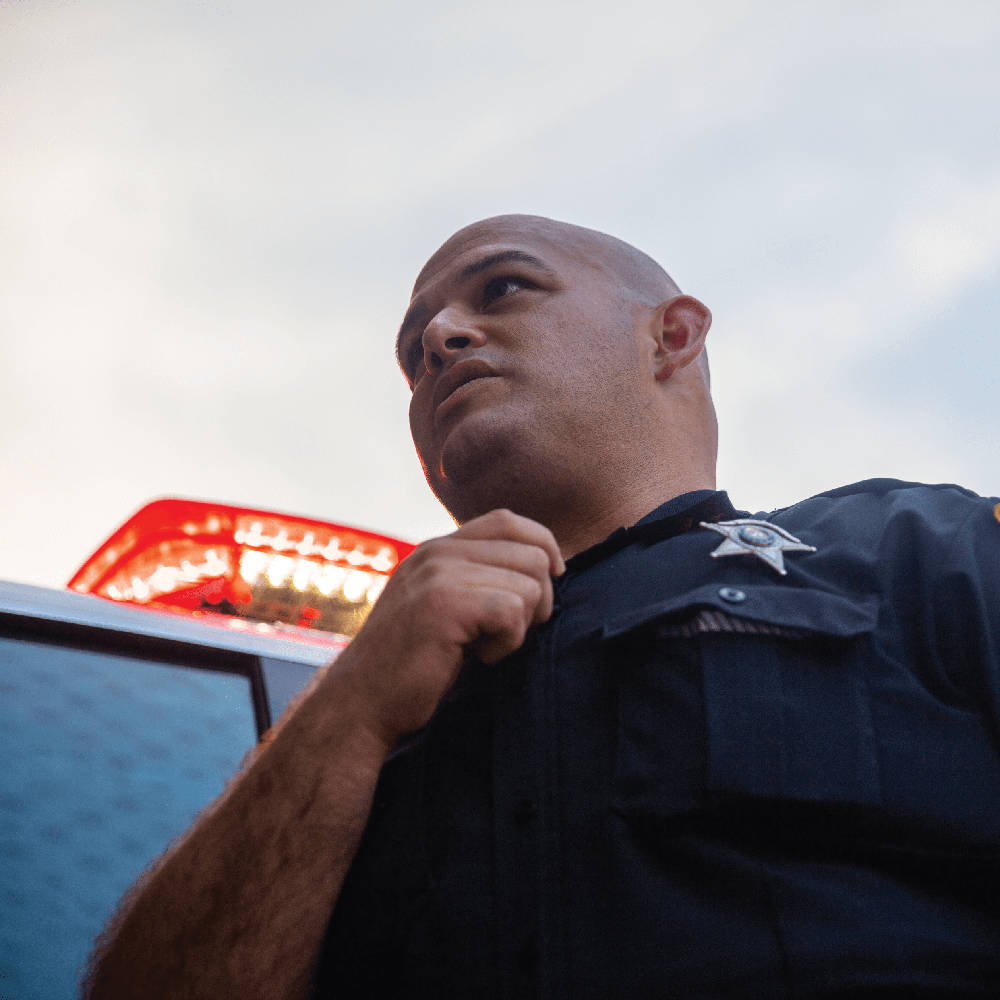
(479, 589)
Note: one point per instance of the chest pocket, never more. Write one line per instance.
(765, 697)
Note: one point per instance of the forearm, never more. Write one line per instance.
(239, 907)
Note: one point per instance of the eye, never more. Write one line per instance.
(413, 360)
(499, 288)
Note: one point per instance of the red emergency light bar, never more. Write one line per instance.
(190, 556)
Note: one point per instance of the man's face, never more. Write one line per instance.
(520, 353)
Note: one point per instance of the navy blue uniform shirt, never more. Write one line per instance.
(672, 791)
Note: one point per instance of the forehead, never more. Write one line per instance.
(562, 252)
(562, 248)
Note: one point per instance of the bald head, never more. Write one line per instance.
(636, 273)
(556, 371)
(636, 277)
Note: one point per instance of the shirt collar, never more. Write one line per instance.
(674, 517)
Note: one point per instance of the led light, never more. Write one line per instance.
(329, 579)
(212, 560)
(255, 536)
(385, 560)
(303, 574)
(332, 550)
(355, 585)
(166, 579)
(215, 565)
(279, 569)
(252, 564)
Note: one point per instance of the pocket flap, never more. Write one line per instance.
(800, 608)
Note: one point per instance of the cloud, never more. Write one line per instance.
(213, 214)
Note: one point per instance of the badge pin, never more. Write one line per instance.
(748, 536)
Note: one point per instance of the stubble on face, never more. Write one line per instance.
(555, 420)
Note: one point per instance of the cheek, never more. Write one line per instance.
(601, 367)
(421, 424)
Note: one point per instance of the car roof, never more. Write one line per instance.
(21, 600)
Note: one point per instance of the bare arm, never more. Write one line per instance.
(238, 908)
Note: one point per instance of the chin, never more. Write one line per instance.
(481, 467)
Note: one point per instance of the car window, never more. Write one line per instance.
(103, 760)
(284, 680)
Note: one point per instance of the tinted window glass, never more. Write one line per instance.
(284, 681)
(103, 760)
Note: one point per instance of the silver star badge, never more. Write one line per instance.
(748, 536)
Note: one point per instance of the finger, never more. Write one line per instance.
(505, 525)
(477, 581)
(518, 556)
(444, 554)
(503, 625)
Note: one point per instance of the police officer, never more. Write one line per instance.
(612, 736)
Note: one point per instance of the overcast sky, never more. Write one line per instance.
(211, 215)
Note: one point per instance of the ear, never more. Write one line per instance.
(679, 327)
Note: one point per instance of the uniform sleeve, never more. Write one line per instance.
(967, 608)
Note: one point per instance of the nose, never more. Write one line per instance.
(446, 336)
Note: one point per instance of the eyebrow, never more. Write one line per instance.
(504, 257)
(416, 311)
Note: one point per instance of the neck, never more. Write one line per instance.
(583, 495)
(598, 520)
(624, 485)
(583, 510)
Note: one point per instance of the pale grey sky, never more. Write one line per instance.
(211, 215)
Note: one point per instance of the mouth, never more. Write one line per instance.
(449, 384)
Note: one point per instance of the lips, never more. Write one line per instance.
(457, 376)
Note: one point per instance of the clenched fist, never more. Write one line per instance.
(476, 589)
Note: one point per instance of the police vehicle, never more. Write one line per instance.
(130, 699)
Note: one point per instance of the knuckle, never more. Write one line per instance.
(417, 559)
(434, 564)
(508, 610)
(539, 559)
(432, 546)
(436, 568)
(503, 517)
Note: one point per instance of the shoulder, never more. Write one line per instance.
(897, 487)
(874, 504)
(898, 532)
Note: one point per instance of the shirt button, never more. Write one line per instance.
(523, 813)
(732, 595)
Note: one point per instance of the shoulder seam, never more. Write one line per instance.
(880, 487)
